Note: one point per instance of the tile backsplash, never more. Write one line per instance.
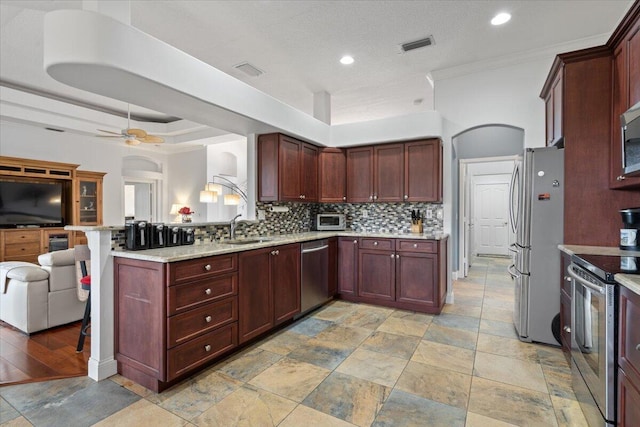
(300, 217)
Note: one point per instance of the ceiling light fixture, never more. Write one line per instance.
(346, 60)
(501, 18)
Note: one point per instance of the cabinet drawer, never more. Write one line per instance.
(185, 326)
(185, 271)
(194, 353)
(417, 246)
(629, 333)
(190, 295)
(26, 236)
(380, 244)
(22, 249)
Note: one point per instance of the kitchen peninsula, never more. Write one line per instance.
(179, 309)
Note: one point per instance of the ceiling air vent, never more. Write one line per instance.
(417, 44)
(249, 69)
(54, 130)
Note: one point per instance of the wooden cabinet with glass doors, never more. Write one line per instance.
(87, 193)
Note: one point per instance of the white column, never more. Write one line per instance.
(252, 175)
(322, 106)
(101, 363)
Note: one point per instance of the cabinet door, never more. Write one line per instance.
(285, 279)
(628, 401)
(360, 174)
(423, 171)
(309, 173)
(333, 176)
(268, 167)
(376, 274)
(417, 278)
(333, 267)
(557, 107)
(629, 334)
(347, 265)
(388, 173)
(255, 294)
(633, 56)
(289, 170)
(548, 118)
(88, 198)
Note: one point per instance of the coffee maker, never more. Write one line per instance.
(630, 234)
(136, 235)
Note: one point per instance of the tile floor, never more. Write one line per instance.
(345, 365)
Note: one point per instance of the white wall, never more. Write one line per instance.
(187, 176)
(217, 156)
(17, 140)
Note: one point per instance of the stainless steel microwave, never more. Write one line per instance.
(630, 121)
(330, 221)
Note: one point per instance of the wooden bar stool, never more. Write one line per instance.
(83, 256)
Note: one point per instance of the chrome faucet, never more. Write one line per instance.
(233, 225)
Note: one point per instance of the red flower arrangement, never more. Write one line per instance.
(185, 210)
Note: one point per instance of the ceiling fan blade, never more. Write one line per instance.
(108, 136)
(152, 139)
(138, 133)
(132, 141)
(108, 131)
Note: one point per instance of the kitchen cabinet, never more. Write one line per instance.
(628, 358)
(173, 318)
(360, 174)
(347, 266)
(87, 196)
(287, 169)
(553, 109)
(332, 175)
(423, 171)
(625, 94)
(402, 273)
(269, 288)
(388, 173)
(21, 245)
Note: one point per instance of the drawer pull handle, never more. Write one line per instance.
(568, 330)
(207, 267)
(208, 319)
(208, 291)
(415, 245)
(207, 347)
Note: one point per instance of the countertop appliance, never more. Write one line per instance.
(594, 318)
(330, 221)
(136, 235)
(174, 236)
(630, 122)
(630, 234)
(157, 235)
(314, 275)
(536, 216)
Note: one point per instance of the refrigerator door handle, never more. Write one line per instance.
(514, 248)
(512, 272)
(512, 216)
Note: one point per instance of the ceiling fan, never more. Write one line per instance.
(132, 136)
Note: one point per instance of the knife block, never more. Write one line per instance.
(417, 227)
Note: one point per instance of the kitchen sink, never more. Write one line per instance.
(244, 241)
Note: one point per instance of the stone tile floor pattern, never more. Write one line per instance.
(345, 365)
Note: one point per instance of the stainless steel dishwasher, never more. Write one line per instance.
(314, 272)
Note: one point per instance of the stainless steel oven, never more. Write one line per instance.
(593, 343)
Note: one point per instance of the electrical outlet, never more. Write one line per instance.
(429, 214)
(261, 215)
(365, 214)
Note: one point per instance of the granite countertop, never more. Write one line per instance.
(181, 253)
(596, 250)
(629, 281)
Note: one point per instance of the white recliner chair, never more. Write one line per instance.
(36, 297)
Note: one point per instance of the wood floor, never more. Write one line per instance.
(44, 355)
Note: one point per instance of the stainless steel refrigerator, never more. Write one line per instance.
(536, 216)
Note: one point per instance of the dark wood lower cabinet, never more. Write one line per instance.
(333, 267)
(269, 289)
(376, 274)
(413, 272)
(629, 359)
(347, 266)
(628, 401)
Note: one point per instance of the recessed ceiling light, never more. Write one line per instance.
(346, 60)
(501, 18)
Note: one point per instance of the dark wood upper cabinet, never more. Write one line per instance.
(388, 173)
(360, 174)
(423, 171)
(287, 169)
(553, 110)
(332, 175)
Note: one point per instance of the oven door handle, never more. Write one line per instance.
(572, 272)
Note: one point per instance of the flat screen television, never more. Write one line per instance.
(31, 203)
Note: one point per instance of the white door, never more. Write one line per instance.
(491, 214)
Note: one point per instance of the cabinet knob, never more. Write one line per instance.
(275, 252)
(207, 347)
(567, 278)
(207, 267)
(371, 197)
(355, 242)
(344, 197)
(415, 245)
(375, 243)
(406, 197)
(397, 256)
(392, 256)
(208, 319)
(567, 329)
(638, 347)
(300, 196)
(207, 291)
(375, 197)
(621, 178)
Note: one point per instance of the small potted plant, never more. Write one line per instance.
(186, 213)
